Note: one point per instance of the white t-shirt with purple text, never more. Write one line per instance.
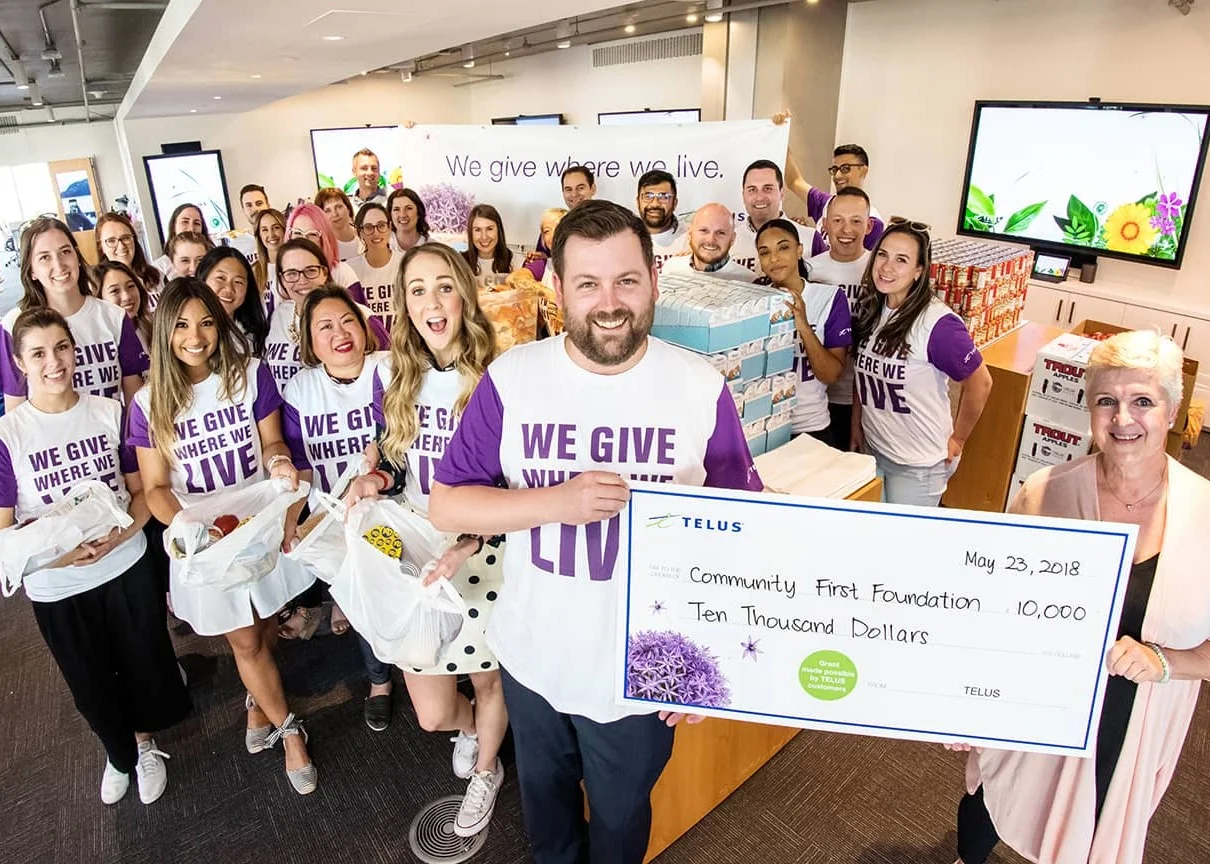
(327, 424)
(435, 423)
(828, 315)
(107, 349)
(374, 287)
(42, 456)
(905, 403)
(846, 275)
(669, 419)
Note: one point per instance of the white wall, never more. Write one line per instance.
(78, 141)
(914, 68)
(565, 82)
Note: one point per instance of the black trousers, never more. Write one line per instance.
(619, 763)
(112, 646)
(842, 422)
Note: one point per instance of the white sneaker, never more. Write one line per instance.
(466, 754)
(113, 784)
(152, 772)
(478, 802)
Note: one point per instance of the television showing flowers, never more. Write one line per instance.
(1086, 179)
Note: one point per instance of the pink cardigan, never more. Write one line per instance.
(1042, 805)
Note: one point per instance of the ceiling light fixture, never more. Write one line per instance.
(468, 56)
(217, 98)
(333, 38)
(714, 12)
(192, 110)
(690, 18)
(566, 43)
(22, 86)
(629, 28)
(256, 75)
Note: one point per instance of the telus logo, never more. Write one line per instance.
(695, 523)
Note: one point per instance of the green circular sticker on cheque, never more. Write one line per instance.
(828, 675)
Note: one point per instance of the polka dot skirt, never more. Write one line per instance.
(479, 584)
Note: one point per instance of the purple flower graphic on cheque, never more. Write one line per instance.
(667, 667)
(446, 206)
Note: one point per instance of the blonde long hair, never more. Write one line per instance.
(411, 358)
(170, 390)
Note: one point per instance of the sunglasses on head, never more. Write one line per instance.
(914, 226)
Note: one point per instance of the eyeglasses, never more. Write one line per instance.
(312, 272)
(112, 243)
(313, 236)
(662, 197)
(914, 226)
(844, 169)
(376, 227)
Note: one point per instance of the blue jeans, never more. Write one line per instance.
(913, 484)
(619, 763)
(377, 671)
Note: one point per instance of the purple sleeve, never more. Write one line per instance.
(357, 292)
(876, 229)
(819, 244)
(131, 356)
(8, 478)
(473, 455)
(951, 349)
(838, 328)
(728, 461)
(291, 430)
(268, 399)
(138, 433)
(817, 202)
(537, 267)
(380, 333)
(380, 419)
(128, 460)
(12, 381)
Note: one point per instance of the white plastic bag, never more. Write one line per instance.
(405, 623)
(247, 553)
(323, 550)
(89, 511)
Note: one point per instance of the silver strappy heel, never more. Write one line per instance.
(305, 780)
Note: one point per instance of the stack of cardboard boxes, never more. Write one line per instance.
(984, 283)
(746, 332)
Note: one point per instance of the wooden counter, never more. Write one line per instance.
(712, 759)
(990, 455)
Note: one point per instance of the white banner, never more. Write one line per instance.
(900, 622)
(517, 168)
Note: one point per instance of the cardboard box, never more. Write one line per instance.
(1058, 390)
(1045, 442)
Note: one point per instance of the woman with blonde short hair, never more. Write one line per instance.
(1067, 810)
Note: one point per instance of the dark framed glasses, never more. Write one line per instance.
(844, 168)
(310, 272)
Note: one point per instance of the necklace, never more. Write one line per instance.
(1131, 505)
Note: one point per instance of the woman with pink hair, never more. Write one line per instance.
(308, 222)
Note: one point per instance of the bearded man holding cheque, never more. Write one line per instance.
(543, 453)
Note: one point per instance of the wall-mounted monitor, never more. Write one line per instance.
(637, 118)
(189, 178)
(332, 152)
(529, 120)
(1086, 179)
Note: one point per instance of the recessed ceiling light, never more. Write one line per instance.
(691, 18)
(256, 75)
(508, 53)
(192, 110)
(469, 64)
(629, 28)
(217, 98)
(566, 43)
(332, 38)
(714, 17)
(22, 86)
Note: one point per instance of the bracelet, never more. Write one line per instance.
(1159, 652)
(387, 479)
(274, 461)
(478, 537)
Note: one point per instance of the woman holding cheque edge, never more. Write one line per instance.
(202, 379)
(1066, 810)
(440, 348)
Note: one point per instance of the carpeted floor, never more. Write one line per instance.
(823, 799)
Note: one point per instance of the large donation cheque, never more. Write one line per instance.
(871, 619)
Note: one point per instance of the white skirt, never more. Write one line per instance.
(217, 611)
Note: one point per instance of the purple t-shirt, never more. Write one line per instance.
(817, 208)
(217, 440)
(107, 350)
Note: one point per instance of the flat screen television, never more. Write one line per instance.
(1085, 179)
(529, 120)
(189, 178)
